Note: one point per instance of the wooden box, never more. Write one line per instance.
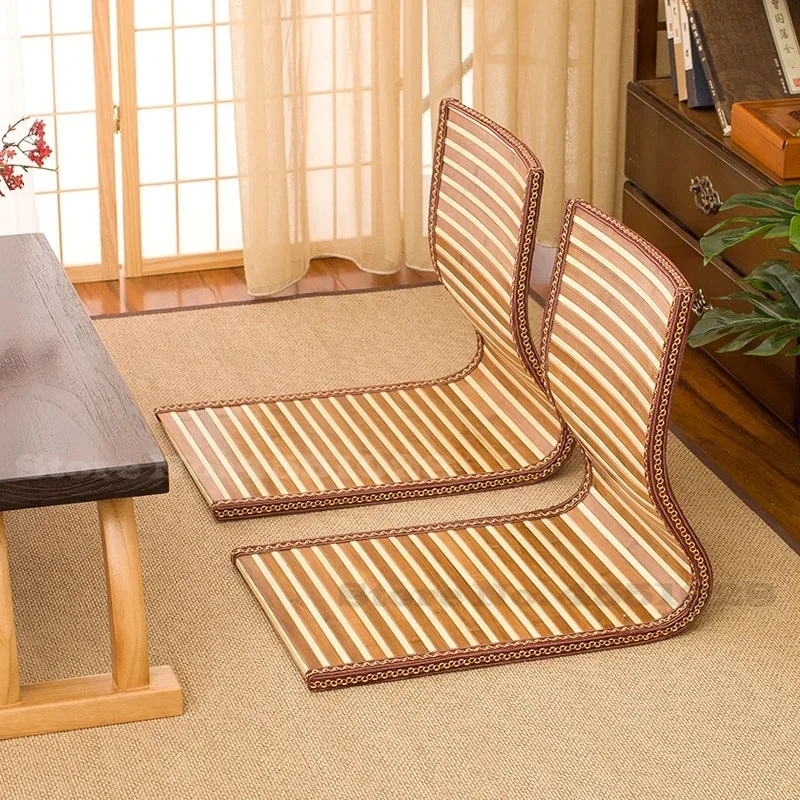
(767, 129)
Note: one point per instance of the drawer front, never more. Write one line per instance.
(665, 157)
(772, 380)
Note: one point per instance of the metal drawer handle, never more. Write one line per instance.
(706, 197)
(700, 305)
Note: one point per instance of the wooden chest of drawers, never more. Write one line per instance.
(679, 169)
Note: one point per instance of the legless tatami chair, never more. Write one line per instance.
(488, 426)
(617, 564)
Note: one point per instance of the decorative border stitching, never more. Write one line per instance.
(658, 485)
(339, 392)
(442, 487)
(337, 498)
(312, 541)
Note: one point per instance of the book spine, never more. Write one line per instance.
(671, 44)
(714, 87)
(673, 74)
(696, 83)
(787, 48)
(677, 46)
(686, 43)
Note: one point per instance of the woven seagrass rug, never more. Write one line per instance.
(709, 713)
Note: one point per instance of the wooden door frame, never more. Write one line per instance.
(106, 128)
(128, 108)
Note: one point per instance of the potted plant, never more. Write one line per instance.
(772, 325)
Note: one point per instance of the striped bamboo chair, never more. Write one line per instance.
(616, 564)
(487, 426)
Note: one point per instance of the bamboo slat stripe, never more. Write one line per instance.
(502, 224)
(391, 627)
(619, 565)
(491, 421)
(500, 204)
(656, 282)
(579, 317)
(657, 309)
(627, 304)
(489, 151)
(455, 211)
(607, 429)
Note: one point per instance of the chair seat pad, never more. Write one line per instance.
(362, 608)
(486, 427)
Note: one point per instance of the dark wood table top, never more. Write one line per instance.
(70, 431)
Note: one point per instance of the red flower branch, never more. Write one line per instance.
(31, 147)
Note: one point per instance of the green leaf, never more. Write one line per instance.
(788, 192)
(763, 277)
(784, 207)
(749, 335)
(779, 231)
(794, 232)
(776, 309)
(771, 262)
(773, 323)
(716, 243)
(772, 345)
(775, 275)
(763, 286)
(760, 219)
(717, 323)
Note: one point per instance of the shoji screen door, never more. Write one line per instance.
(170, 176)
(67, 63)
(180, 191)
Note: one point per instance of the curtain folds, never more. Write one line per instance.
(555, 74)
(331, 95)
(328, 98)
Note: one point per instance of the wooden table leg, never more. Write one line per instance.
(132, 692)
(130, 665)
(9, 670)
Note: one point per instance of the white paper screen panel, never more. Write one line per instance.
(186, 131)
(59, 87)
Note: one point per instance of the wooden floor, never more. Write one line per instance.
(749, 445)
(213, 286)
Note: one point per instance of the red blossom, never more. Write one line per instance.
(32, 146)
(11, 180)
(40, 153)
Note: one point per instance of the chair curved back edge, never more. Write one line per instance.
(526, 345)
(658, 482)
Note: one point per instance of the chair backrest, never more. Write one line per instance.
(484, 208)
(614, 330)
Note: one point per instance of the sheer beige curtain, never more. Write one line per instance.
(333, 139)
(329, 103)
(554, 72)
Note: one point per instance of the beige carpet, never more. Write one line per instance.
(714, 712)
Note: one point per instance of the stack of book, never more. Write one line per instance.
(725, 51)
